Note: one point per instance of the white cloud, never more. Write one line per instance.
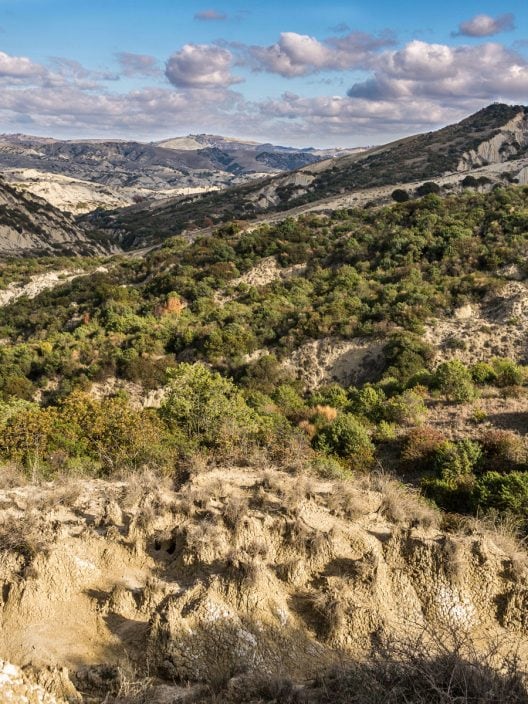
(486, 26)
(436, 71)
(19, 67)
(201, 66)
(300, 54)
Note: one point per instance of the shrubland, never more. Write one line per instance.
(182, 317)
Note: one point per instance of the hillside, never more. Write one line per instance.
(496, 135)
(80, 176)
(286, 464)
(30, 225)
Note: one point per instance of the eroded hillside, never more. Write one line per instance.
(133, 591)
(496, 135)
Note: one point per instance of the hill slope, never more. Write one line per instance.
(115, 173)
(497, 134)
(30, 225)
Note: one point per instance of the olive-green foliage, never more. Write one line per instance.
(407, 408)
(507, 372)
(348, 438)
(482, 373)
(504, 492)
(454, 381)
(332, 395)
(368, 401)
(455, 461)
(101, 436)
(206, 405)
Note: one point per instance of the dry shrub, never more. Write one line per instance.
(206, 535)
(450, 671)
(292, 452)
(454, 560)
(27, 534)
(308, 428)
(244, 567)
(330, 608)
(506, 531)
(324, 413)
(503, 449)
(11, 475)
(420, 445)
(346, 502)
(234, 512)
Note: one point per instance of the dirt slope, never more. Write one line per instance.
(131, 585)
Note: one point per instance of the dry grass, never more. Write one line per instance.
(404, 506)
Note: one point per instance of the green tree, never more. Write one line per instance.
(203, 404)
(346, 437)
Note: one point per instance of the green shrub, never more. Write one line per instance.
(507, 372)
(407, 408)
(332, 395)
(482, 373)
(455, 461)
(368, 402)
(454, 381)
(203, 404)
(400, 195)
(458, 498)
(348, 438)
(329, 467)
(505, 492)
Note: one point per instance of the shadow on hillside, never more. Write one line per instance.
(510, 420)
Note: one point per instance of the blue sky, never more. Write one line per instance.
(304, 73)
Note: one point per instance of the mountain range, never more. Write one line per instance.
(80, 176)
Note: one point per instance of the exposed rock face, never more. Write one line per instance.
(80, 176)
(495, 328)
(510, 141)
(104, 584)
(327, 360)
(30, 225)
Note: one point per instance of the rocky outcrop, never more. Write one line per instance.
(510, 141)
(30, 225)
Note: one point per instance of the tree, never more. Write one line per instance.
(400, 195)
(427, 188)
(347, 438)
(203, 404)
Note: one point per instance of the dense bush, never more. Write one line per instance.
(454, 381)
(208, 408)
(348, 438)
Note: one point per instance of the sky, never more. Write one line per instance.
(297, 72)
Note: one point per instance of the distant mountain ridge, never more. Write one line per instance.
(496, 135)
(124, 172)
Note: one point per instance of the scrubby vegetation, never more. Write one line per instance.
(185, 318)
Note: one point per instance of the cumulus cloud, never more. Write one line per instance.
(486, 26)
(437, 71)
(210, 16)
(201, 66)
(138, 64)
(19, 67)
(300, 54)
